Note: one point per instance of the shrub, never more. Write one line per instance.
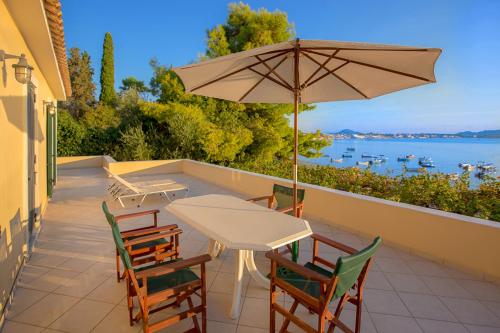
(69, 134)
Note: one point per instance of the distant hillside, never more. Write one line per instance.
(346, 132)
(482, 134)
(486, 134)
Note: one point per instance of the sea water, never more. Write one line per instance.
(446, 154)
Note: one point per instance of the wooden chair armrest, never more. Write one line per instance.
(266, 197)
(332, 243)
(147, 231)
(152, 237)
(138, 214)
(173, 267)
(285, 210)
(310, 274)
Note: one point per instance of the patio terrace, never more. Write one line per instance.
(69, 283)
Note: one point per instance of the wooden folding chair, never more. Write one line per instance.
(163, 285)
(157, 249)
(314, 287)
(282, 200)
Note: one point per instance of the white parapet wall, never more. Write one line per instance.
(78, 162)
(461, 241)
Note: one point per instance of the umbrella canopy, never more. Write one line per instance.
(327, 71)
(310, 71)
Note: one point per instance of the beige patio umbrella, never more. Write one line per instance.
(310, 71)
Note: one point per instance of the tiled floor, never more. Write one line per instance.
(69, 283)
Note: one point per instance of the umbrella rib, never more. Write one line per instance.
(328, 73)
(332, 72)
(262, 79)
(362, 49)
(374, 66)
(350, 85)
(273, 72)
(319, 68)
(236, 71)
(386, 69)
(269, 78)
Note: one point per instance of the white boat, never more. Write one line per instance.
(486, 167)
(466, 166)
(362, 163)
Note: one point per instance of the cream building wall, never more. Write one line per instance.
(13, 152)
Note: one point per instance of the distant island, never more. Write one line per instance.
(350, 134)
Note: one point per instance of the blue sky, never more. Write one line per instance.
(465, 97)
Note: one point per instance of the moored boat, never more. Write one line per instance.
(466, 166)
(426, 162)
(375, 161)
(362, 163)
(347, 155)
(351, 149)
(486, 167)
(403, 159)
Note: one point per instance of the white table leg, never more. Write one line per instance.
(238, 281)
(254, 272)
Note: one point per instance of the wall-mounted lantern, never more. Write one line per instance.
(22, 69)
(51, 107)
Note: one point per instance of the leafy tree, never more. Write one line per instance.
(166, 85)
(246, 29)
(135, 84)
(133, 146)
(69, 134)
(83, 88)
(108, 94)
(217, 44)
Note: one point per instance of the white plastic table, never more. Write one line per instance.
(237, 224)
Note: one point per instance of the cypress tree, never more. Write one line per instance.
(108, 94)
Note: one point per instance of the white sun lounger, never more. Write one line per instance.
(122, 189)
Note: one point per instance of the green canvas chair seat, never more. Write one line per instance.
(142, 252)
(169, 283)
(164, 282)
(315, 287)
(145, 245)
(308, 286)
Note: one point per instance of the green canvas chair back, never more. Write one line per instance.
(349, 267)
(109, 217)
(117, 237)
(284, 196)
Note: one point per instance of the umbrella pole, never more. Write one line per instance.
(296, 92)
(295, 151)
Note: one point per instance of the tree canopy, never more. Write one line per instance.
(175, 124)
(83, 88)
